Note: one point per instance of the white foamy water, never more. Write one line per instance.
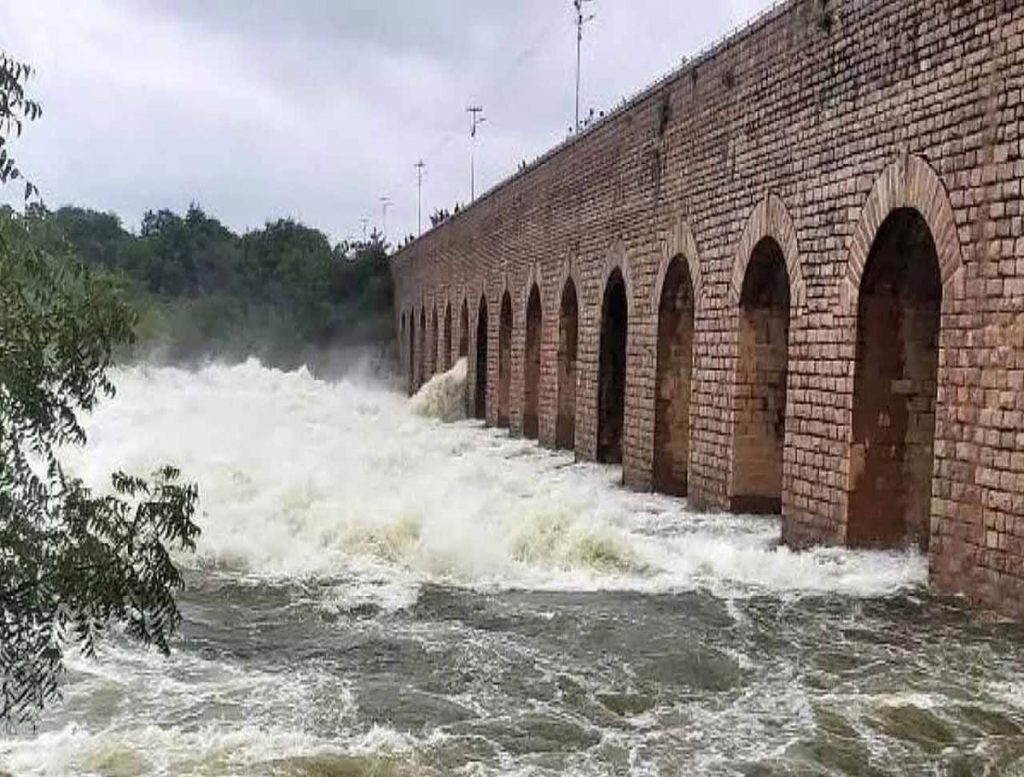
(444, 396)
(376, 592)
(300, 477)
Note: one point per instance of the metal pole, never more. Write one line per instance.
(581, 21)
(475, 111)
(579, 47)
(385, 203)
(419, 195)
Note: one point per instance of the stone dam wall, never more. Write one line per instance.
(787, 278)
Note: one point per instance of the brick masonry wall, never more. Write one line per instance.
(810, 128)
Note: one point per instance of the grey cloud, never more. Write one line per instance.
(314, 109)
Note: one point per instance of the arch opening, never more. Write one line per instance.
(480, 390)
(895, 386)
(410, 364)
(759, 431)
(446, 349)
(464, 330)
(611, 398)
(504, 360)
(568, 343)
(531, 372)
(435, 343)
(673, 380)
(421, 373)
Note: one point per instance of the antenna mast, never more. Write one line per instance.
(474, 111)
(420, 167)
(385, 203)
(581, 21)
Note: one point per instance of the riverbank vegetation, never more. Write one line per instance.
(73, 562)
(282, 293)
(80, 292)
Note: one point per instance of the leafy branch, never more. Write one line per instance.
(16, 109)
(72, 563)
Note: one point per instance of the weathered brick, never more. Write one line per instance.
(814, 138)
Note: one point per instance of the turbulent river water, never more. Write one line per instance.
(379, 593)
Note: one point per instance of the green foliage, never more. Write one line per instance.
(16, 108)
(71, 563)
(282, 293)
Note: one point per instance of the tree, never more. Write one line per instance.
(282, 292)
(72, 563)
(15, 110)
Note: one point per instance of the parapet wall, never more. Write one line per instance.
(804, 255)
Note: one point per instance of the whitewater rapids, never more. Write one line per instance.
(376, 591)
(305, 478)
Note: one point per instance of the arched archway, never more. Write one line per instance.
(611, 390)
(480, 392)
(446, 348)
(421, 374)
(409, 341)
(568, 341)
(435, 342)
(759, 429)
(531, 371)
(672, 387)
(895, 386)
(464, 330)
(504, 360)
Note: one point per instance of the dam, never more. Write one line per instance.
(788, 278)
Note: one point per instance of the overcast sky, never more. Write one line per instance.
(313, 109)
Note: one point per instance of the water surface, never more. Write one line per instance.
(377, 593)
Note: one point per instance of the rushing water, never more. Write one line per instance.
(378, 593)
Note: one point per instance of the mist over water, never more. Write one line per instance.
(378, 592)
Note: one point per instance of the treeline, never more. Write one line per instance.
(282, 293)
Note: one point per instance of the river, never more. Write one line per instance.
(379, 593)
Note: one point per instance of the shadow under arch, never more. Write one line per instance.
(759, 393)
(446, 347)
(464, 329)
(435, 343)
(904, 253)
(611, 387)
(767, 291)
(676, 315)
(568, 348)
(421, 374)
(480, 388)
(531, 367)
(409, 346)
(505, 360)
